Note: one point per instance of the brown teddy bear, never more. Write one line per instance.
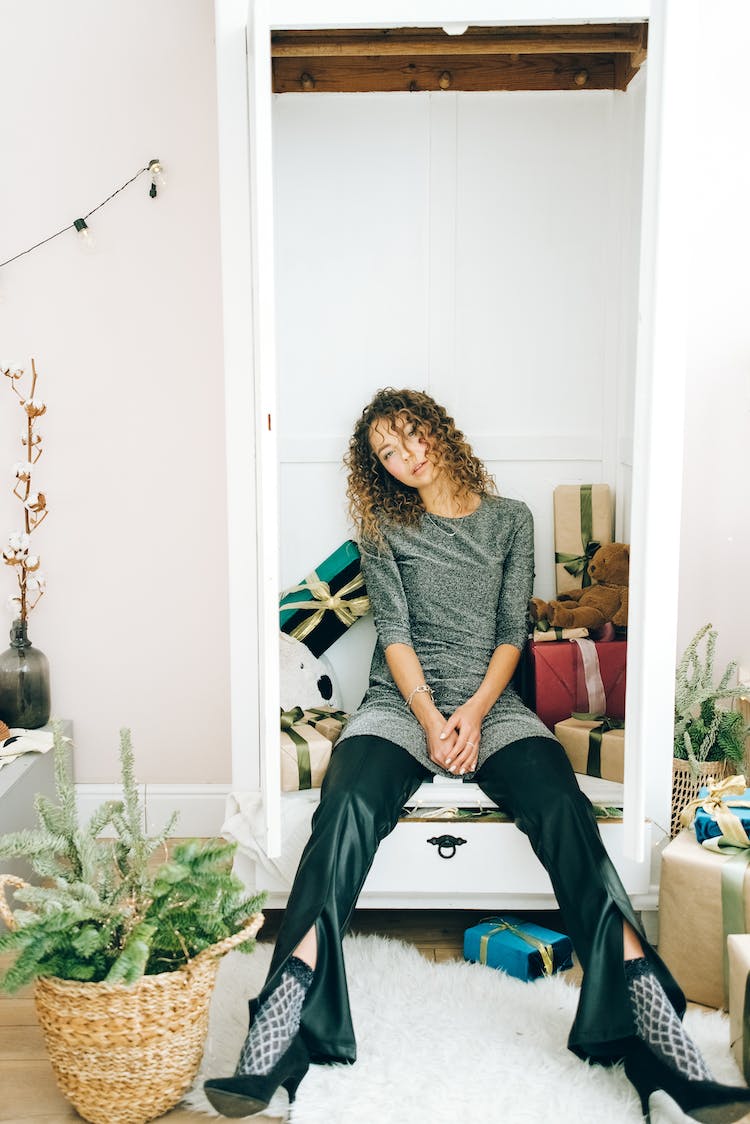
(606, 599)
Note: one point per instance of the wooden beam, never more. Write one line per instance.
(358, 74)
(638, 56)
(592, 38)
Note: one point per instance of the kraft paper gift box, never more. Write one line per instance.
(545, 635)
(738, 945)
(691, 923)
(576, 676)
(595, 745)
(326, 720)
(328, 601)
(583, 521)
(520, 948)
(306, 745)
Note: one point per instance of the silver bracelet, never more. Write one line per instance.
(417, 691)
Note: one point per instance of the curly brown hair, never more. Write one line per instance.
(374, 494)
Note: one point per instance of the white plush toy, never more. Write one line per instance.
(306, 680)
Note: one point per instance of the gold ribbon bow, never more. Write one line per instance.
(546, 951)
(324, 601)
(717, 805)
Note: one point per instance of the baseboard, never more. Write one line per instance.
(200, 807)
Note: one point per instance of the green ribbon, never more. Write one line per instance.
(320, 712)
(288, 718)
(732, 892)
(577, 564)
(594, 758)
(546, 950)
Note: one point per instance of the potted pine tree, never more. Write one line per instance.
(709, 738)
(123, 949)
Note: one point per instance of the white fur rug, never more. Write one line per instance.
(447, 1043)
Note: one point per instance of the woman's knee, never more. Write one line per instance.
(542, 783)
(362, 780)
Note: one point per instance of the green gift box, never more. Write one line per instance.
(327, 602)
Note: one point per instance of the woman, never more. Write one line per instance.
(449, 570)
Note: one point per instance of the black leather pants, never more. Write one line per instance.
(367, 784)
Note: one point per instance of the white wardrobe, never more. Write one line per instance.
(514, 253)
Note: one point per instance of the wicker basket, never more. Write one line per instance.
(686, 784)
(125, 1055)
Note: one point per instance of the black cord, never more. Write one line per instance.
(72, 224)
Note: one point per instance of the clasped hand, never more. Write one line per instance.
(454, 744)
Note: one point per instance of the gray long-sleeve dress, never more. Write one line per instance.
(454, 589)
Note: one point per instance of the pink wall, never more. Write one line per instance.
(715, 552)
(128, 343)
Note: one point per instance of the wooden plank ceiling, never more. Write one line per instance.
(578, 57)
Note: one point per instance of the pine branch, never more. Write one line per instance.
(698, 719)
(104, 913)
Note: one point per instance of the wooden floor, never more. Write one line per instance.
(27, 1085)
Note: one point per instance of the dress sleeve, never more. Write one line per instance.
(518, 581)
(386, 593)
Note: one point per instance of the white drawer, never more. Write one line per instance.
(495, 858)
(492, 855)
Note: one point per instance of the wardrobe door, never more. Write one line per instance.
(265, 414)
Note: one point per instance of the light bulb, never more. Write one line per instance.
(158, 179)
(85, 238)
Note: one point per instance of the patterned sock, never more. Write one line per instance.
(277, 1021)
(659, 1025)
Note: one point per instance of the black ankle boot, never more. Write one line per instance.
(706, 1101)
(250, 1094)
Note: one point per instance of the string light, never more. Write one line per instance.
(157, 176)
(155, 169)
(84, 234)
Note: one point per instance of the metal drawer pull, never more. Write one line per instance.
(446, 844)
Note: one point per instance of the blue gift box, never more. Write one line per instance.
(706, 826)
(520, 948)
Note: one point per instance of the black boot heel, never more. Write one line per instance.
(705, 1101)
(250, 1094)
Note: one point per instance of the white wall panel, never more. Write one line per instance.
(628, 123)
(352, 236)
(469, 245)
(531, 260)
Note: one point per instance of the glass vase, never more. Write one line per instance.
(24, 682)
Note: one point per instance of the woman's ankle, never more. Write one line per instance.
(307, 949)
(276, 1021)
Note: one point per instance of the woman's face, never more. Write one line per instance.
(403, 451)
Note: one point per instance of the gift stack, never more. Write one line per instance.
(704, 896)
(316, 612)
(576, 680)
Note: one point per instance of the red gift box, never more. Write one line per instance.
(561, 676)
